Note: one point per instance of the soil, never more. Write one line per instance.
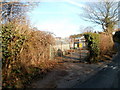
(68, 72)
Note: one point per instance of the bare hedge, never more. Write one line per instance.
(106, 43)
(25, 53)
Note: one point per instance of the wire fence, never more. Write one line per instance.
(64, 49)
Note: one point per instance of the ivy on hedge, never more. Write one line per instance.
(12, 42)
(92, 40)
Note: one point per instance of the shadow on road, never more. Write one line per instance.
(74, 57)
(68, 57)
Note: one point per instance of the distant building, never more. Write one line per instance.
(62, 43)
(78, 42)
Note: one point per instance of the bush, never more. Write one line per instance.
(92, 40)
(25, 53)
(106, 44)
(12, 42)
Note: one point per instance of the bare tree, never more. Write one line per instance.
(86, 29)
(104, 13)
(11, 10)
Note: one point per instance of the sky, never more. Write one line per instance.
(61, 18)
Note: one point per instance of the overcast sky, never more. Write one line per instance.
(61, 18)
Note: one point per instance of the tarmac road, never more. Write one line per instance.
(109, 77)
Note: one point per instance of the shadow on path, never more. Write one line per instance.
(68, 57)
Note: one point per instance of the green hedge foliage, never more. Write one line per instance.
(12, 42)
(93, 41)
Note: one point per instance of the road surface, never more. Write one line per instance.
(108, 77)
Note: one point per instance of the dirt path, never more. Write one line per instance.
(69, 72)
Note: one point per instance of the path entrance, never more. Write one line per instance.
(69, 72)
(75, 55)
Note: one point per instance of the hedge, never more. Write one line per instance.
(25, 53)
(93, 41)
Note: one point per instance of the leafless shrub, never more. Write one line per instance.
(34, 52)
(106, 43)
